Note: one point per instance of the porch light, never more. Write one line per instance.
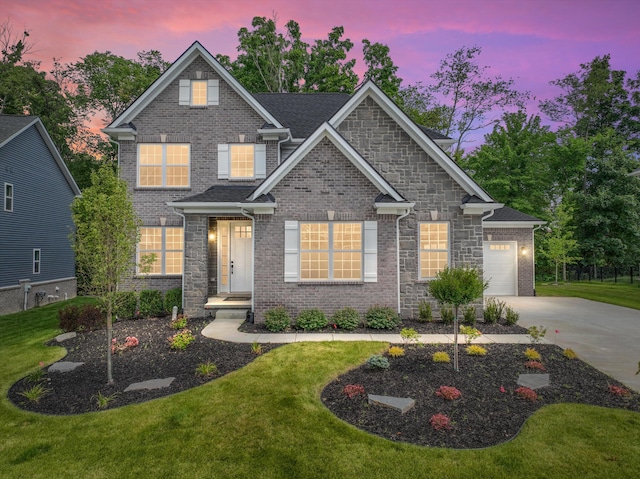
(212, 237)
(524, 251)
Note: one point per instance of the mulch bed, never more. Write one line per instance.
(483, 416)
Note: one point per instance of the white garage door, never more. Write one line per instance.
(501, 268)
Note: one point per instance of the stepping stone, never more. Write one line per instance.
(533, 381)
(63, 337)
(63, 367)
(150, 384)
(399, 404)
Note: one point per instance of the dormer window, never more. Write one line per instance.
(199, 93)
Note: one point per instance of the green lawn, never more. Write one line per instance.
(267, 421)
(620, 294)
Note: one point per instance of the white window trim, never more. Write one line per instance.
(163, 166)
(161, 254)
(37, 263)
(8, 197)
(420, 250)
(185, 95)
(259, 162)
(369, 250)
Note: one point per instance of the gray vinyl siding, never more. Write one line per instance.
(41, 217)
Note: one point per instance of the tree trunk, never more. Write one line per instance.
(455, 341)
(556, 273)
(109, 336)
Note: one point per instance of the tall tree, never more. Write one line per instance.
(328, 69)
(559, 245)
(107, 232)
(471, 95)
(380, 68)
(422, 107)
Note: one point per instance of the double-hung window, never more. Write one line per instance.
(331, 251)
(8, 197)
(167, 244)
(163, 165)
(242, 161)
(199, 93)
(36, 261)
(434, 248)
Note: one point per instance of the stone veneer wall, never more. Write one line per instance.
(324, 180)
(419, 179)
(524, 237)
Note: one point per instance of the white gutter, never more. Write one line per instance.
(253, 257)
(398, 253)
(111, 140)
(280, 148)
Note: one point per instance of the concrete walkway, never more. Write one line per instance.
(603, 335)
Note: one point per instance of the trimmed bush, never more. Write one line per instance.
(382, 317)
(425, 314)
(126, 304)
(511, 317)
(493, 310)
(476, 350)
(570, 354)
(172, 298)
(469, 316)
(87, 318)
(441, 357)
(151, 303)
(396, 351)
(532, 355)
(378, 362)
(346, 318)
(277, 319)
(311, 319)
(446, 314)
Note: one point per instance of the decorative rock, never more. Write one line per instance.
(63, 337)
(150, 384)
(63, 366)
(399, 404)
(533, 381)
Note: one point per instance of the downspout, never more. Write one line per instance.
(280, 142)
(398, 252)
(253, 259)
(184, 254)
(118, 144)
(533, 255)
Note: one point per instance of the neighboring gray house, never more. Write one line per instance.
(37, 264)
(301, 200)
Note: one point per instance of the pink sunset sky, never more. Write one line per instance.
(531, 41)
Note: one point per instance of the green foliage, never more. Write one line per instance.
(476, 350)
(493, 310)
(206, 369)
(103, 401)
(277, 319)
(532, 355)
(328, 69)
(126, 304)
(151, 303)
(172, 298)
(511, 317)
(425, 313)
(346, 318)
(409, 334)
(457, 286)
(180, 322)
(382, 317)
(380, 68)
(396, 351)
(181, 340)
(85, 318)
(536, 334)
(470, 332)
(68, 317)
(441, 357)
(256, 348)
(378, 361)
(469, 316)
(35, 392)
(311, 319)
(446, 314)
(35, 375)
(571, 354)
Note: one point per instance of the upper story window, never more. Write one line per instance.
(8, 197)
(242, 161)
(331, 251)
(163, 165)
(167, 243)
(434, 248)
(36, 261)
(199, 93)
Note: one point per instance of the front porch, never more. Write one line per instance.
(228, 301)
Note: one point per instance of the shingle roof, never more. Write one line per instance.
(509, 214)
(11, 124)
(225, 194)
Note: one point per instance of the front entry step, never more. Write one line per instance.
(231, 314)
(228, 302)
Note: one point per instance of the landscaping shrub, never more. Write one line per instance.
(425, 315)
(378, 362)
(151, 303)
(311, 319)
(73, 318)
(382, 317)
(441, 357)
(172, 298)
(180, 322)
(526, 393)
(396, 351)
(469, 316)
(570, 354)
(531, 354)
(68, 318)
(346, 318)
(470, 333)
(126, 304)
(619, 391)
(534, 365)
(409, 334)
(446, 314)
(493, 310)
(353, 390)
(277, 319)
(450, 393)
(476, 350)
(511, 317)
(181, 340)
(440, 421)
(536, 334)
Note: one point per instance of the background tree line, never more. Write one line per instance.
(575, 177)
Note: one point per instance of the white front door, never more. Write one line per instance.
(235, 256)
(501, 268)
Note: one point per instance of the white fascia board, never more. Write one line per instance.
(393, 208)
(326, 131)
(174, 71)
(421, 138)
(274, 133)
(479, 208)
(512, 224)
(121, 134)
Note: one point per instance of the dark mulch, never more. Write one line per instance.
(73, 392)
(484, 415)
(433, 327)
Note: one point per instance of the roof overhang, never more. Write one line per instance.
(398, 209)
(479, 208)
(121, 134)
(274, 134)
(512, 224)
(212, 208)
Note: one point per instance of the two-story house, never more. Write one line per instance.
(37, 264)
(301, 200)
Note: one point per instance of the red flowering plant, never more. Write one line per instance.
(619, 391)
(353, 390)
(534, 365)
(526, 393)
(129, 342)
(450, 393)
(440, 422)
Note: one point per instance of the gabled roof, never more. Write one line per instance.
(506, 217)
(172, 73)
(11, 126)
(369, 89)
(328, 132)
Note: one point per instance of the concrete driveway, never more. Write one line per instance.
(605, 336)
